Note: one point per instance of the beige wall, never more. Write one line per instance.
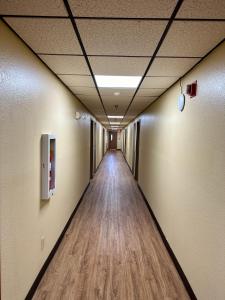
(33, 102)
(182, 174)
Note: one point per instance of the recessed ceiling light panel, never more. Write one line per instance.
(117, 81)
(115, 117)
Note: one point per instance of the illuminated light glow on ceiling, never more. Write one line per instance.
(115, 117)
(117, 81)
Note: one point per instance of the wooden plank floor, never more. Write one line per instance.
(112, 249)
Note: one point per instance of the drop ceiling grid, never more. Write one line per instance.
(82, 90)
(183, 36)
(202, 9)
(112, 111)
(120, 37)
(33, 7)
(139, 104)
(46, 35)
(66, 64)
(151, 86)
(150, 92)
(171, 66)
(110, 92)
(192, 38)
(116, 105)
(120, 66)
(77, 80)
(158, 82)
(122, 8)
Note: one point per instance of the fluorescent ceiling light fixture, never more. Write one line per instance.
(115, 117)
(112, 123)
(117, 81)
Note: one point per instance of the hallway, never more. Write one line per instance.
(112, 249)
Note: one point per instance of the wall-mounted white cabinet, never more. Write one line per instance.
(48, 165)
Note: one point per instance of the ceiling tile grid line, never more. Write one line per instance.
(190, 19)
(112, 55)
(166, 30)
(73, 74)
(77, 34)
(77, 97)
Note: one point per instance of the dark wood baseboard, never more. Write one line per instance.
(52, 253)
(170, 251)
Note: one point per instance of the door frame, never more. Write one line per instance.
(103, 142)
(138, 128)
(92, 148)
(125, 142)
(109, 140)
(134, 148)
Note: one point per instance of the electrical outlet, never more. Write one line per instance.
(42, 242)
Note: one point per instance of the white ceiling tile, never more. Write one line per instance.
(144, 100)
(80, 90)
(122, 66)
(111, 91)
(171, 66)
(76, 80)
(150, 92)
(63, 64)
(116, 105)
(46, 35)
(90, 98)
(120, 37)
(214, 9)
(111, 110)
(134, 110)
(93, 106)
(139, 104)
(103, 119)
(121, 107)
(124, 122)
(158, 82)
(116, 100)
(192, 38)
(123, 8)
(33, 7)
(129, 117)
(98, 109)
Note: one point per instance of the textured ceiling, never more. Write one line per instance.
(119, 37)
(78, 39)
(122, 8)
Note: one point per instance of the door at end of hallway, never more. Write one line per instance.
(112, 140)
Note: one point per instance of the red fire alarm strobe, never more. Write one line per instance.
(192, 89)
